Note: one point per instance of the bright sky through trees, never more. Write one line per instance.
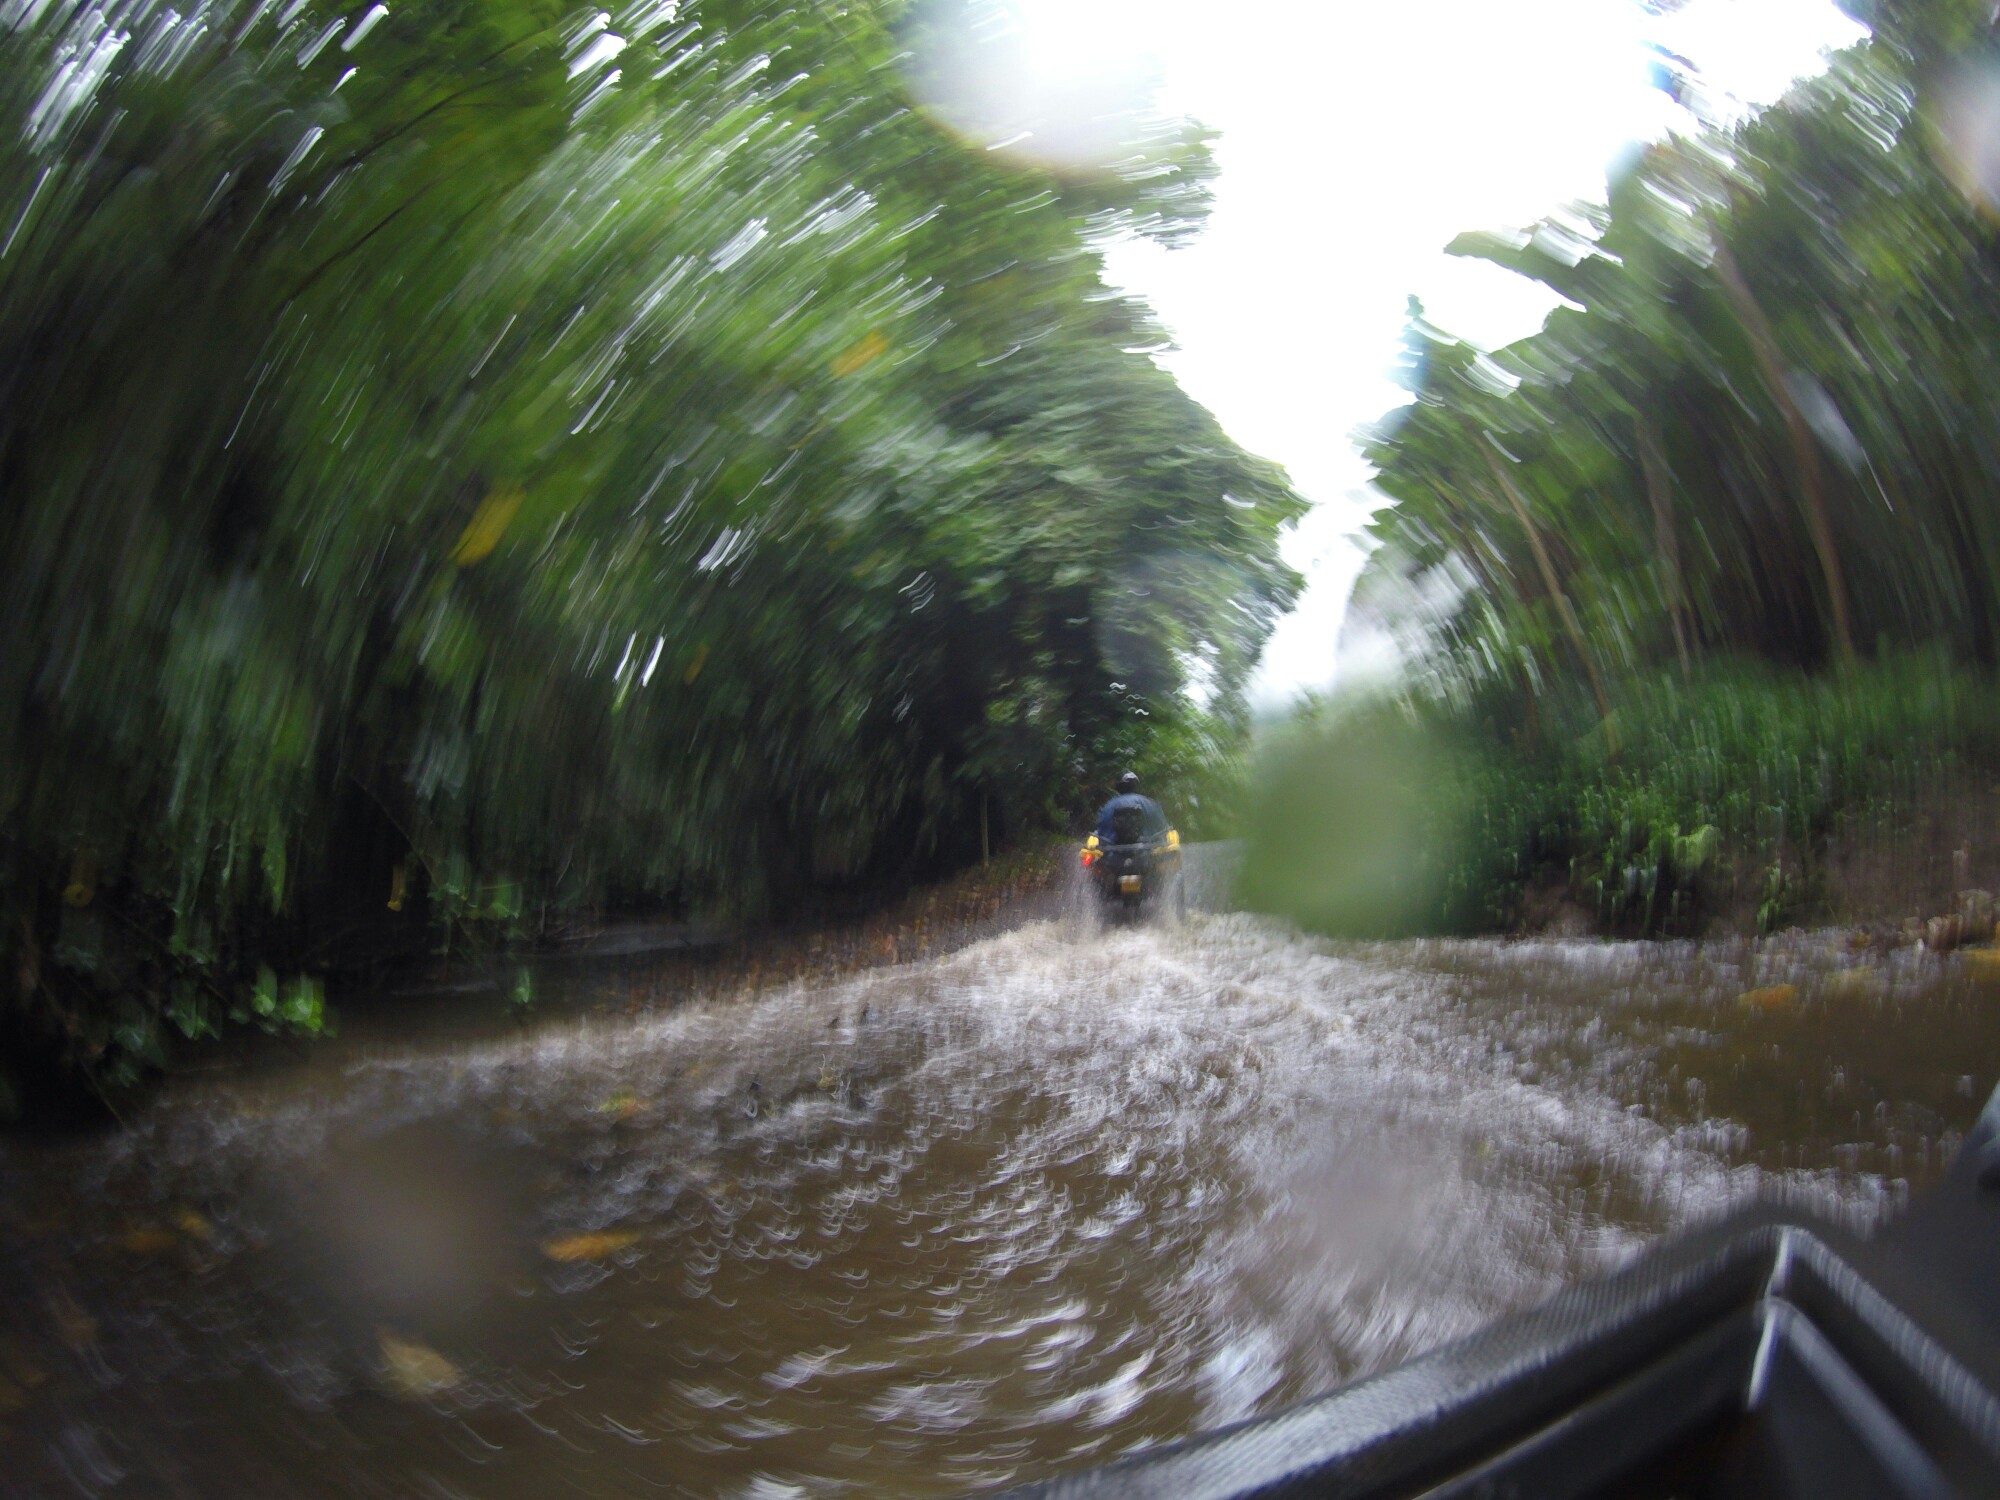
(1356, 141)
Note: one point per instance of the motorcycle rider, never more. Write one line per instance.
(1140, 813)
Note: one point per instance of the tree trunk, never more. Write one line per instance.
(1805, 449)
(1491, 580)
(1666, 542)
(1548, 570)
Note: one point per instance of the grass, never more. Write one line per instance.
(1392, 817)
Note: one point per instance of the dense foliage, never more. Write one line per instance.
(1759, 438)
(480, 459)
(1762, 425)
(1723, 798)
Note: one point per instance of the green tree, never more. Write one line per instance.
(481, 459)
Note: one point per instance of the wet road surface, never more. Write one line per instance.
(1052, 1198)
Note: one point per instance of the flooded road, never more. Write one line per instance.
(930, 1228)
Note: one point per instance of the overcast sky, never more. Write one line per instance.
(1356, 141)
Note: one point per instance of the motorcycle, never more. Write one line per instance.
(1128, 876)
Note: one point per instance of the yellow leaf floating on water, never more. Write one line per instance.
(489, 523)
(193, 1225)
(148, 1241)
(621, 1106)
(589, 1246)
(82, 885)
(1770, 997)
(413, 1369)
(1981, 963)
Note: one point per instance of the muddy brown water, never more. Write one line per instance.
(1050, 1199)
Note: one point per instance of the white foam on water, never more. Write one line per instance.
(1049, 1196)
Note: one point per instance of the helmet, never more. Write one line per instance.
(1129, 782)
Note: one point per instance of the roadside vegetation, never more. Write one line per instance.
(1754, 799)
(471, 465)
(1701, 581)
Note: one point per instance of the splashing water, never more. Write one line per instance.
(934, 1227)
